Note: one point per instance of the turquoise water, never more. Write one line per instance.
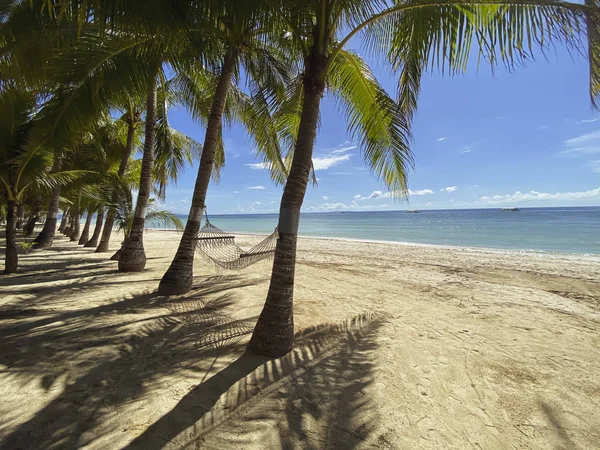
(568, 230)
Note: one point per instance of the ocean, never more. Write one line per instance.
(564, 230)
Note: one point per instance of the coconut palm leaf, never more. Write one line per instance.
(374, 119)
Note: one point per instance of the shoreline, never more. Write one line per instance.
(567, 255)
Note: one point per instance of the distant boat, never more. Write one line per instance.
(412, 211)
(514, 208)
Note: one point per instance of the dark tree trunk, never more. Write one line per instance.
(110, 216)
(11, 258)
(63, 221)
(179, 276)
(96, 235)
(20, 212)
(46, 236)
(74, 235)
(85, 234)
(117, 255)
(133, 257)
(35, 217)
(69, 223)
(274, 331)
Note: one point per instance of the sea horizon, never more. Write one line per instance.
(572, 229)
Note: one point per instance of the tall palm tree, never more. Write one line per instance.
(132, 118)
(25, 166)
(414, 35)
(244, 43)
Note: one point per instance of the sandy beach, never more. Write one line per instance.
(398, 347)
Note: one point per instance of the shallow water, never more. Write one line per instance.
(566, 230)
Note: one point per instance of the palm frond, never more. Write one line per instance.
(375, 120)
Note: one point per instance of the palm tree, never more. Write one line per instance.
(166, 152)
(415, 36)
(24, 165)
(93, 241)
(132, 118)
(244, 43)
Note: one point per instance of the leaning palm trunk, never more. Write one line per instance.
(63, 222)
(35, 217)
(97, 229)
(110, 217)
(46, 236)
(85, 234)
(274, 331)
(11, 258)
(178, 278)
(69, 228)
(133, 257)
(74, 235)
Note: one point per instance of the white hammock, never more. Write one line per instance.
(221, 249)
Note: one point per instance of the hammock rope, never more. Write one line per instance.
(220, 248)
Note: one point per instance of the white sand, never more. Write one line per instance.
(399, 347)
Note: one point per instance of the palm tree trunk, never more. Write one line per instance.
(85, 234)
(20, 212)
(179, 276)
(133, 257)
(274, 331)
(110, 217)
(35, 217)
(96, 235)
(46, 236)
(11, 259)
(69, 222)
(74, 235)
(63, 221)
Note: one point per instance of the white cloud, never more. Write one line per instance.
(544, 127)
(343, 149)
(325, 162)
(236, 192)
(343, 206)
(588, 121)
(537, 196)
(466, 149)
(585, 144)
(443, 138)
(428, 204)
(380, 194)
(421, 192)
(259, 188)
(333, 158)
(576, 151)
(257, 203)
(257, 165)
(449, 189)
(577, 141)
(325, 198)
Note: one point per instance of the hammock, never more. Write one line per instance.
(220, 248)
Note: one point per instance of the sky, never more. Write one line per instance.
(481, 140)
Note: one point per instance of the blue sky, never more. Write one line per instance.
(480, 140)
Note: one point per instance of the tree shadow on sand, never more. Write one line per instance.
(314, 397)
(113, 355)
(107, 398)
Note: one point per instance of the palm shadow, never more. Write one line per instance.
(324, 378)
(113, 356)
